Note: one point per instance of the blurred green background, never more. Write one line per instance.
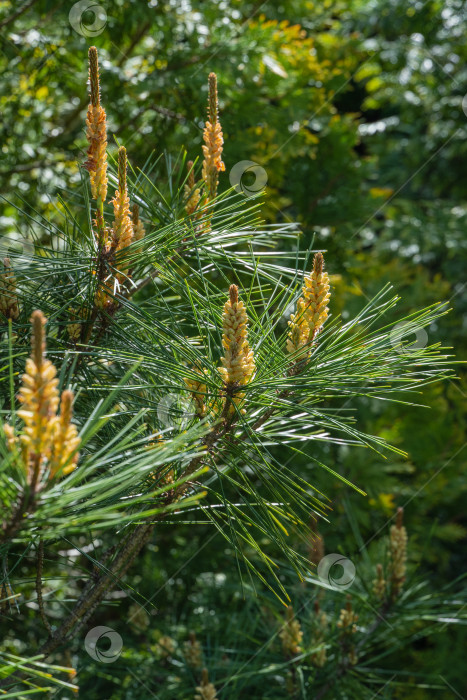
(355, 111)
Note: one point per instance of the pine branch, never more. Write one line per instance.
(95, 591)
(20, 11)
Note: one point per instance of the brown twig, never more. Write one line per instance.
(18, 13)
(142, 31)
(94, 592)
(10, 528)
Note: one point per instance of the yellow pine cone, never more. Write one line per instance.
(193, 652)
(74, 327)
(213, 142)
(96, 122)
(192, 193)
(45, 437)
(347, 619)
(138, 227)
(65, 439)
(379, 584)
(38, 395)
(122, 228)
(74, 331)
(166, 646)
(168, 478)
(291, 634)
(10, 436)
(9, 307)
(158, 442)
(311, 311)
(138, 617)
(398, 553)
(212, 151)
(206, 690)
(238, 364)
(198, 390)
(97, 151)
(103, 298)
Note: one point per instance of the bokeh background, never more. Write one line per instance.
(356, 114)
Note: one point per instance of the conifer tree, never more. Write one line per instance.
(164, 359)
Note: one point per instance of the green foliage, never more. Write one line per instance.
(354, 110)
